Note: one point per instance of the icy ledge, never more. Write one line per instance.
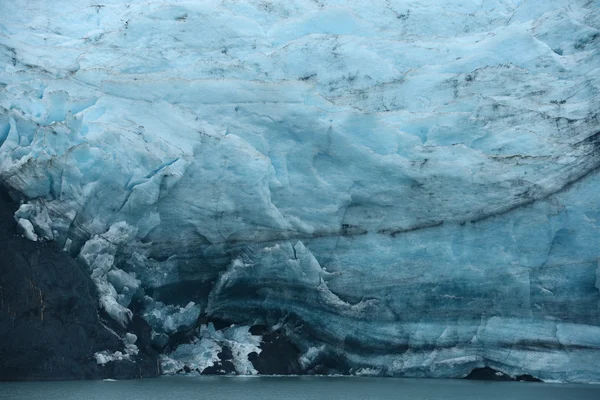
(405, 188)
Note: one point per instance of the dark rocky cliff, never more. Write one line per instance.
(50, 327)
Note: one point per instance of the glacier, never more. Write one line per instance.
(403, 188)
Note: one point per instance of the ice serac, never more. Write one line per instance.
(402, 187)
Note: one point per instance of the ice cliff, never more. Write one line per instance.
(401, 187)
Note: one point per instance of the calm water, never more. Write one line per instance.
(270, 388)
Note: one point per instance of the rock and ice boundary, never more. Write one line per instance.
(397, 187)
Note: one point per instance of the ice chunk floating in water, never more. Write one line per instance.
(404, 188)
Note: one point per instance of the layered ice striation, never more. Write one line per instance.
(404, 187)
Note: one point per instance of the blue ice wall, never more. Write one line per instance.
(412, 183)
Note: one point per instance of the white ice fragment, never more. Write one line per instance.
(26, 229)
(203, 353)
(101, 358)
(101, 265)
(199, 355)
(367, 372)
(120, 233)
(121, 280)
(108, 301)
(130, 338)
(37, 214)
(169, 318)
(131, 349)
(242, 343)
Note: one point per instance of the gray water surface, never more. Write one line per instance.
(271, 388)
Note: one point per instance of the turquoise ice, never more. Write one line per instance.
(414, 183)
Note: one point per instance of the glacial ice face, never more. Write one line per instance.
(413, 183)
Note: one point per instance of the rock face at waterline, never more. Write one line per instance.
(402, 188)
(50, 327)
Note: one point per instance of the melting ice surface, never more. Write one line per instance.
(407, 187)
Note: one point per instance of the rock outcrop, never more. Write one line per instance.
(50, 327)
